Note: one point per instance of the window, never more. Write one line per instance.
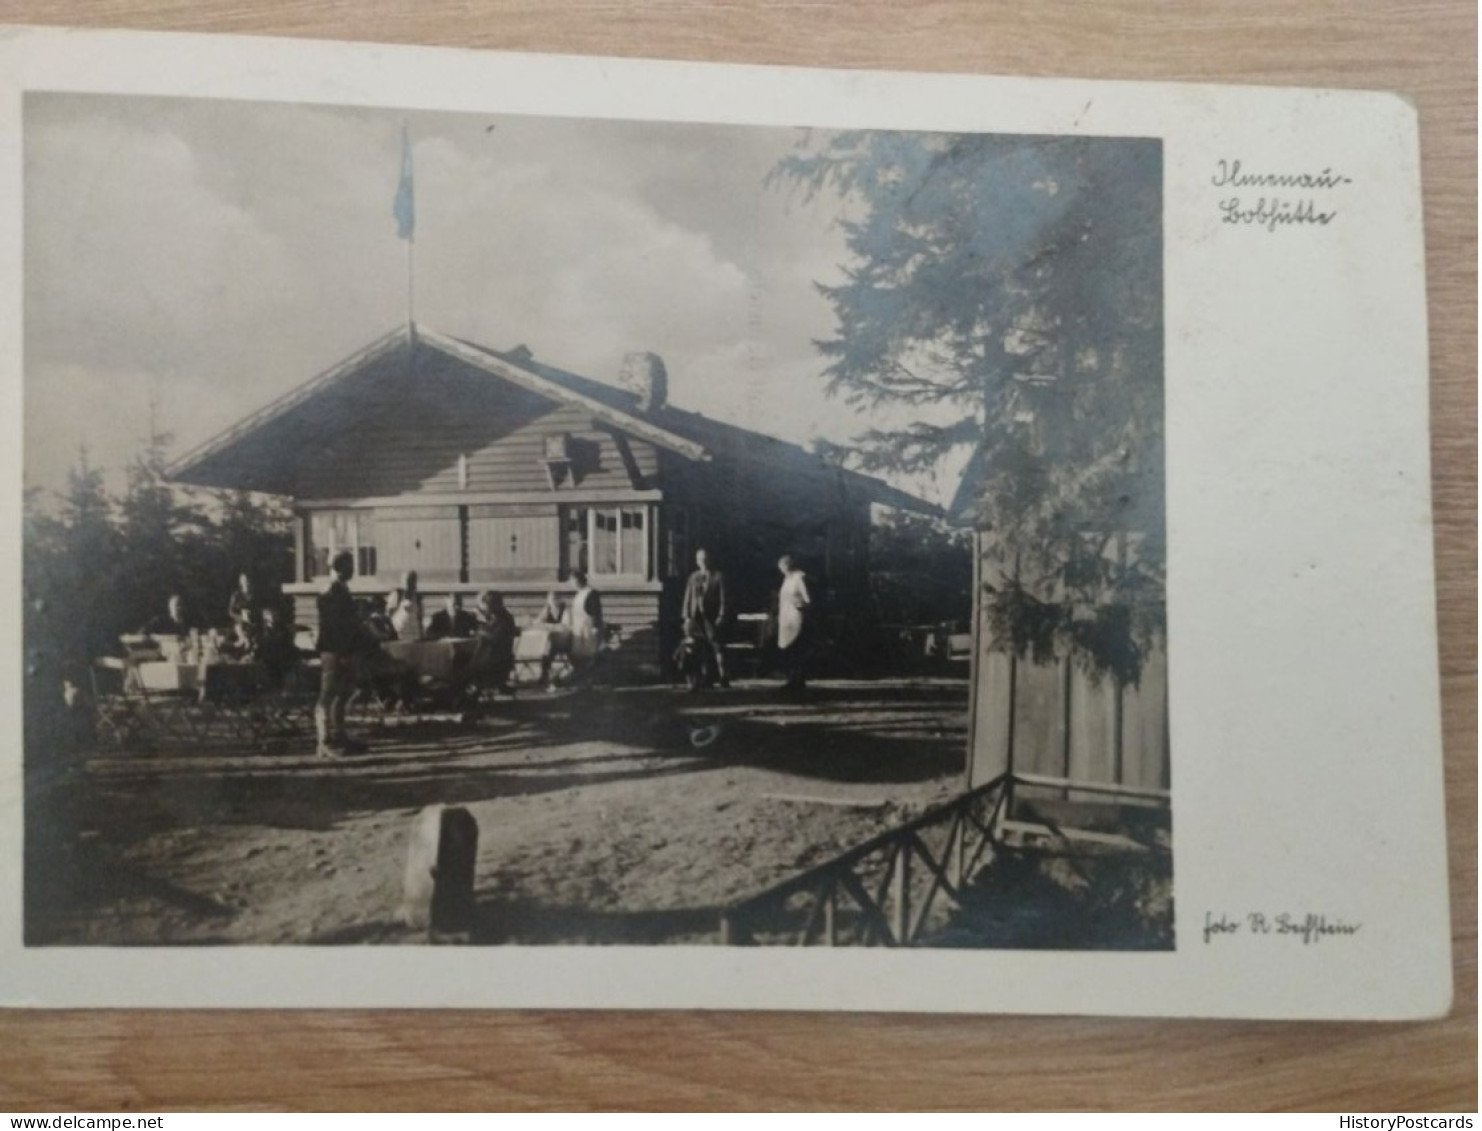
(333, 531)
(677, 542)
(606, 541)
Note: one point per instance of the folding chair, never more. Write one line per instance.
(121, 706)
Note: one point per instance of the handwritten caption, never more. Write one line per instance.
(1307, 926)
(1299, 198)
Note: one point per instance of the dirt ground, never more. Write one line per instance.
(598, 819)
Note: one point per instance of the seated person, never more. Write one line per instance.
(406, 616)
(493, 660)
(452, 621)
(555, 620)
(552, 613)
(176, 633)
(377, 617)
(275, 647)
(173, 622)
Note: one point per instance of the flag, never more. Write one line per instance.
(403, 207)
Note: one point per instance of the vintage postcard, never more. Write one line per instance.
(500, 530)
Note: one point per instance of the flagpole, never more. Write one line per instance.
(404, 209)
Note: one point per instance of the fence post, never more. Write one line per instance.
(733, 932)
(900, 885)
(957, 846)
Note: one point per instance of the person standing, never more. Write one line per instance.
(793, 622)
(585, 616)
(340, 640)
(706, 610)
(244, 611)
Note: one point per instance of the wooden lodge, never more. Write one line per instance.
(482, 469)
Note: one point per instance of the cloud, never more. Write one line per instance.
(219, 254)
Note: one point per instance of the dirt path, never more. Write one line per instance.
(599, 820)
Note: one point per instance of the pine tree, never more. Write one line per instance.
(1006, 292)
(69, 563)
(156, 530)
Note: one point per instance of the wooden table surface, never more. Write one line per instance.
(1424, 48)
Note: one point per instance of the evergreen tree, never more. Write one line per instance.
(69, 563)
(160, 537)
(1006, 293)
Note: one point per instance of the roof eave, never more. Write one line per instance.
(534, 382)
(180, 468)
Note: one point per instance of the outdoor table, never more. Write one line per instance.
(538, 647)
(217, 678)
(167, 675)
(437, 660)
(164, 700)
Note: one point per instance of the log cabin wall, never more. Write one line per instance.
(420, 459)
(475, 483)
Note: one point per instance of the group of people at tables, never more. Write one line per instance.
(573, 630)
(256, 630)
(348, 631)
(351, 633)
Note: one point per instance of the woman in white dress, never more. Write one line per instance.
(792, 621)
(584, 617)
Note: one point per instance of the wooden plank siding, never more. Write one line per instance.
(513, 544)
(408, 440)
(428, 540)
(1053, 720)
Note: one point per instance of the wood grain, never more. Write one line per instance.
(1427, 50)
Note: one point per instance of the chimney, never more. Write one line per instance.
(644, 375)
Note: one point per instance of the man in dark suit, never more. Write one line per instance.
(452, 620)
(706, 610)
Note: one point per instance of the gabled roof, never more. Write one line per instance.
(299, 416)
(966, 507)
(730, 441)
(500, 365)
(296, 420)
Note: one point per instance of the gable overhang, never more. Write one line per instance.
(228, 459)
(259, 452)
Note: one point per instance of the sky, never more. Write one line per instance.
(209, 256)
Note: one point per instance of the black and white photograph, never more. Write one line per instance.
(499, 529)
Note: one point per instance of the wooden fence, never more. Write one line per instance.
(1052, 720)
(891, 890)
